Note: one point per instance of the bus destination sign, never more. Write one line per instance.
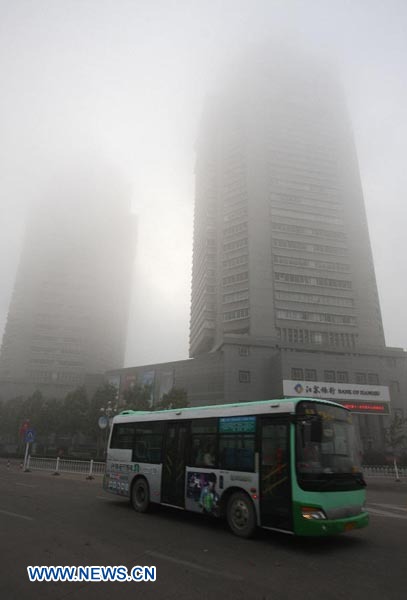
(377, 408)
(237, 424)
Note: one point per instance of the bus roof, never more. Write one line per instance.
(282, 405)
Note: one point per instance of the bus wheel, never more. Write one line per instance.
(240, 515)
(140, 495)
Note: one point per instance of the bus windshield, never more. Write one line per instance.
(326, 449)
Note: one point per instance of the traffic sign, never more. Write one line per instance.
(29, 436)
(24, 427)
(103, 422)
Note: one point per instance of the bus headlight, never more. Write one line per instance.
(312, 513)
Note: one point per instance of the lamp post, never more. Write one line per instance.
(105, 421)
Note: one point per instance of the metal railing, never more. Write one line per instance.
(90, 468)
(384, 471)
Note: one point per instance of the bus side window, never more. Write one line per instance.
(141, 452)
(123, 436)
(148, 442)
(274, 445)
(203, 449)
(237, 452)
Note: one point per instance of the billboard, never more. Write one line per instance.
(129, 382)
(147, 378)
(337, 392)
(166, 382)
(114, 380)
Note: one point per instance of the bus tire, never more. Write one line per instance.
(240, 515)
(140, 495)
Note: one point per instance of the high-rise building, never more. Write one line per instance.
(284, 296)
(69, 309)
(281, 244)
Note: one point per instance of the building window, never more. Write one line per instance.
(329, 376)
(244, 376)
(297, 374)
(342, 377)
(373, 378)
(234, 315)
(310, 375)
(244, 351)
(361, 378)
(316, 338)
(296, 315)
(236, 296)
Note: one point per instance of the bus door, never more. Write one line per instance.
(174, 463)
(275, 484)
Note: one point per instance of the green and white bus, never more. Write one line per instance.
(290, 465)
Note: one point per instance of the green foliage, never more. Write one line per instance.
(104, 396)
(75, 411)
(73, 421)
(12, 414)
(374, 457)
(176, 398)
(57, 423)
(138, 397)
(396, 437)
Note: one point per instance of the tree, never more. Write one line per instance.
(32, 407)
(75, 412)
(49, 422)
(138, 397)
(395, 434)
(11, 418)
(105, 396)
(176, 398)
(103, 403)
(396, 438)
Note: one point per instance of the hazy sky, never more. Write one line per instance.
(126, 80)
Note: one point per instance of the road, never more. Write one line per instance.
(66, 520)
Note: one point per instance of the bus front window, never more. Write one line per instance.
(326, 450)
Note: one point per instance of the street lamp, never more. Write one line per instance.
(105, 420)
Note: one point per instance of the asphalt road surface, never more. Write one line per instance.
(66, 520)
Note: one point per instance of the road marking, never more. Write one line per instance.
(27, 485)
(393, 506)
(384, 513)
(12, 514)
(191, 565)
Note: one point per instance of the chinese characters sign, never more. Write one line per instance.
(237, 424)
(336, 391)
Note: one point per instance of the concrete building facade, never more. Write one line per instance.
(68, 312)
(281, 243)
(283, 281)
(284, 296)
(373, 384)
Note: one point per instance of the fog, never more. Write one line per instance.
(126, 81)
